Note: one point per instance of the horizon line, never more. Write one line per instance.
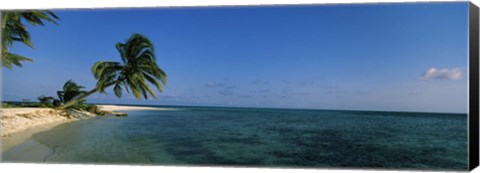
(260, 107)
(319, 109)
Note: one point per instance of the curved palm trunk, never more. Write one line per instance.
(75, 101)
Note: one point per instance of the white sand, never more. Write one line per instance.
(19, 124)
(14, 120)
(19, 119)
(127, 108)
(20, 137)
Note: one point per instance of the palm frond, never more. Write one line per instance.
(118, 90)
(13, 30)
(35, 17)
(71, 91)
(136, 71)
(10, 59)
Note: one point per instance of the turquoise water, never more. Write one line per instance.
(265, 137)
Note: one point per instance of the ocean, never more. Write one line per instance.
(263, 138)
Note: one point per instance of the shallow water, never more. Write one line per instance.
(264, 137)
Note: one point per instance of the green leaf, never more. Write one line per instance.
(118, 90)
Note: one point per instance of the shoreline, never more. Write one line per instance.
(19, 124)
(14, 120)
(18, 138)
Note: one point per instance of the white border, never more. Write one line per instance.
(76, 4)
(76, 168)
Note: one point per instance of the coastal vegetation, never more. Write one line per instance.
(14, 30)
(70, 91)
(134, 73)
(10, 105)
(46, 101)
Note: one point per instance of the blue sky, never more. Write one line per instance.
(401, 57)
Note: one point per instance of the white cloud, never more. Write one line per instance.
(444, 73)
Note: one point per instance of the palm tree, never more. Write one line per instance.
(13, 30)
(71, 90)
(134, 73)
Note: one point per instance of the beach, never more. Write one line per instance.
(19, 124)
(19, 119)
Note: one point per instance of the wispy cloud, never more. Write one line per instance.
(328, 87)
(259, 81)
(214, 85)
(261, 91)
(336, 91)
(221, 88)
(305, 83)
(226, 92)
(289, 92)
(443, 73)
(230, 87)
(286, 82)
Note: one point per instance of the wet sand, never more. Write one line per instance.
(21, 146)
(15, 120)
(29, 151)
(21, 137)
